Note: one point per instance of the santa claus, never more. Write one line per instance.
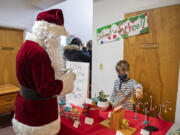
(38, 69)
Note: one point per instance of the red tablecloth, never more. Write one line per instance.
(97, 129)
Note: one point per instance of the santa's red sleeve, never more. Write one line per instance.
(43, 75)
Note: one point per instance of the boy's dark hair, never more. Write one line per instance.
(122, 65)
(76, 41)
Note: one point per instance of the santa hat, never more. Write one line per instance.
(54, 16)
(53, 19)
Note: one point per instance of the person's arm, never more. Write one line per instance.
(84, 57)
(43, 76)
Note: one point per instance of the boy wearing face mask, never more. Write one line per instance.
(124, 87)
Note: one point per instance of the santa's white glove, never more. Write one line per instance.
(68, 83)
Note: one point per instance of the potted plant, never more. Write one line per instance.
(103, 103)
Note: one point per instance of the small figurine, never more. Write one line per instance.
(74, 110)
(159, 114)
(86, 109)
(151, 108)
(135, 116)
(145, 122)
(67, 109)
(124, 124)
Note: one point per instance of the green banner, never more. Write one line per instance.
(125, 28)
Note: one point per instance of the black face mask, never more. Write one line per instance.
(123, 77)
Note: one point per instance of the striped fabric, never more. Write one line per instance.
(124, 90)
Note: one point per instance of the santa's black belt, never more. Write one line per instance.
(31, 94)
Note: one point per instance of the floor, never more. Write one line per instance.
(5, 124)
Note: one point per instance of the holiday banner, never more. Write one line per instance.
(125, 28)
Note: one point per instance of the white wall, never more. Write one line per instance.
(177, 117)
(77, 13)
(106, 12)
(17, 14)
(78, 16)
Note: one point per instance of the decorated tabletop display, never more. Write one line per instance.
(118, 122)
(88, 114)
(103, 103)
(71, 113)
(145, 105)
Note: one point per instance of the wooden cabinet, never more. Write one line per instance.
(8, 93)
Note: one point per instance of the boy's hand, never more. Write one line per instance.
(139, 93)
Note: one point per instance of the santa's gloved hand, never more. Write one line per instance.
(68, 83)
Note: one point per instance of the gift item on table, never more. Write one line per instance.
(118, 122)
(76, 124)
(136, 109)
(94, 104)
(61, 102)
(145, 122)
(124, 124)
(147, 102)
(89, 121)
(74, 110)
(116, 116)
(89, 101)
(103, 103)
(86, 109)
(95, 99)
(151, 108)
(70, 113)
(90, 111)
(151, 128)
(67, 109)
(159, 114)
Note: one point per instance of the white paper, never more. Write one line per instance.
(76, 124)
(81, 84)
(88, 101)
(119, 133)
(109, 115)
(89, 121)
(144, 132)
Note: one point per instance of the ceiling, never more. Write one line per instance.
(44, 4)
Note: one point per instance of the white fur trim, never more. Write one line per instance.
(44, 26)
(49, 129)
(72, 47)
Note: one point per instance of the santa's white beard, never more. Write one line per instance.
(47, 36)
(52, 47)
(56, 61)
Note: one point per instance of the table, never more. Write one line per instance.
(8, 93)
(97, 129)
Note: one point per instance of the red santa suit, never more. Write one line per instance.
(38, 65)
